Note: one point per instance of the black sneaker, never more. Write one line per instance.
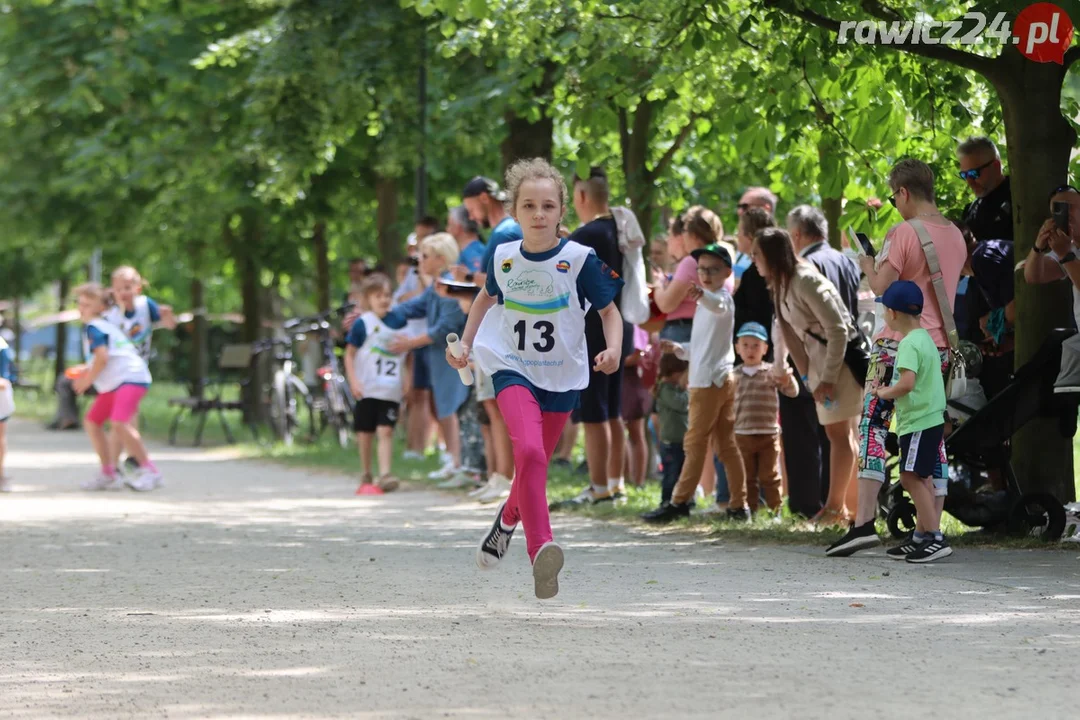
(902, 550)
(859, 537)
(667, 512)
(494, 545)
(562, 464)
(929, 551)
(742, 515)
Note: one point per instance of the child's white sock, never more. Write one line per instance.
(615, 485)
(599, 489)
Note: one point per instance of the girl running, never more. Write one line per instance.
(121, 379)
(529, 328)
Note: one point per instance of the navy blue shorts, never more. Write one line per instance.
(421, 374)
(921, 452)
(601, 400)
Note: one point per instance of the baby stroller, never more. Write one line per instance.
(979, 443)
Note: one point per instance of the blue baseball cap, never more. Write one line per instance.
(903, 296)
(753, 329)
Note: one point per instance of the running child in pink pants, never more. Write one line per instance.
(527, 330)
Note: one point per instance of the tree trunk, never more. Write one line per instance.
(322, 267)
(1039, 141)
(61, 327)
(833, 209)
(199, 325)
(634, 142)
(527, 139)
(386, 215)
(828, 146)
(246, 252)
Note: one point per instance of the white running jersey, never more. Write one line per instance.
(125, 365)
(378, 369)
(139, 327)
(538, 331)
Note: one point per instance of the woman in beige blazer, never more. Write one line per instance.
(813, 326)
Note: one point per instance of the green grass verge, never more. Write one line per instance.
(155, 416)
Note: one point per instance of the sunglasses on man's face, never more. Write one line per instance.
(743, 207)
(974, 173)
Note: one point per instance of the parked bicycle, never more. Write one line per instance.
(291, 406)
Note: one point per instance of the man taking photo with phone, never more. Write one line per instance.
(1053, 258)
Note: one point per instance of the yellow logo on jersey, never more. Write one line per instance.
(507, 264)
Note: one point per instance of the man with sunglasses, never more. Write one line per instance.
(759, 197)
(989, 216)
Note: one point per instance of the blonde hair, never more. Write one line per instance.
(704, 224)
(442, 244)
(533, 169)
(94, 291)
(129, 273)
(372, 283)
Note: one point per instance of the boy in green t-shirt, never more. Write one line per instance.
(918, 390)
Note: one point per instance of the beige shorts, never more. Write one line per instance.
(485, 388)
(846, 404)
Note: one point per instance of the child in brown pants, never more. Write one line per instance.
(757, 429)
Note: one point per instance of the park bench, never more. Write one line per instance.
(234, 362)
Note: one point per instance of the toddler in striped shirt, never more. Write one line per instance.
(757, 429)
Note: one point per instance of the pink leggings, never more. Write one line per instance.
(534, 434)
(119, 405)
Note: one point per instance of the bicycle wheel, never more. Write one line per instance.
(303, 411)
(339, 412)
(280, 404)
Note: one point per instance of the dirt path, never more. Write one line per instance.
(251, 590)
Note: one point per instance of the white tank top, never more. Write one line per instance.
(139, 327)
(125, 364)
(378, 369)
(538, 331)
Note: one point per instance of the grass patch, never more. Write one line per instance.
(156, 415)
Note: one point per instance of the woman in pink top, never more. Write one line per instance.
(901, 258)
(697, 228)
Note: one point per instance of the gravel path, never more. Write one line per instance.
(246, 589)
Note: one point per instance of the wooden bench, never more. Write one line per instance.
(234, 360)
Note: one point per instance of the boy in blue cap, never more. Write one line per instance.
(918, 391)
(757, 426)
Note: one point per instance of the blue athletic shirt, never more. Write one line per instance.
(472, 257)
(596, 283)
(506, 231)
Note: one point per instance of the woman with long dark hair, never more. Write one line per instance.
(813, 326)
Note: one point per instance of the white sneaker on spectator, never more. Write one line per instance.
(103, 482)
(5, 484)
(498, 488)
(699, 494)
(481, 489)
(458, 479)
(444, 473)
(714, 509)
(145, 480)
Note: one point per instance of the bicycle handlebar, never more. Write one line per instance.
(315, 322)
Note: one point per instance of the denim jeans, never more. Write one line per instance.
(722, 493)
(672, 456)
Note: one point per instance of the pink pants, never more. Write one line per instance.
(534, 434)
(119, 405)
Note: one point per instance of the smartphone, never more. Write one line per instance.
(414, 261)
(864, 242)
(1060, 212)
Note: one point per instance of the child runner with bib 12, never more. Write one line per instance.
(375, 378)
(527, 330)
(121, 379)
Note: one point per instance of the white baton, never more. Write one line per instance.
(454, 343)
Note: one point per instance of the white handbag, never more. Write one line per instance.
(956, 380)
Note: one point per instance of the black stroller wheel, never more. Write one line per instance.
(1038, 515)
(901, 519)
